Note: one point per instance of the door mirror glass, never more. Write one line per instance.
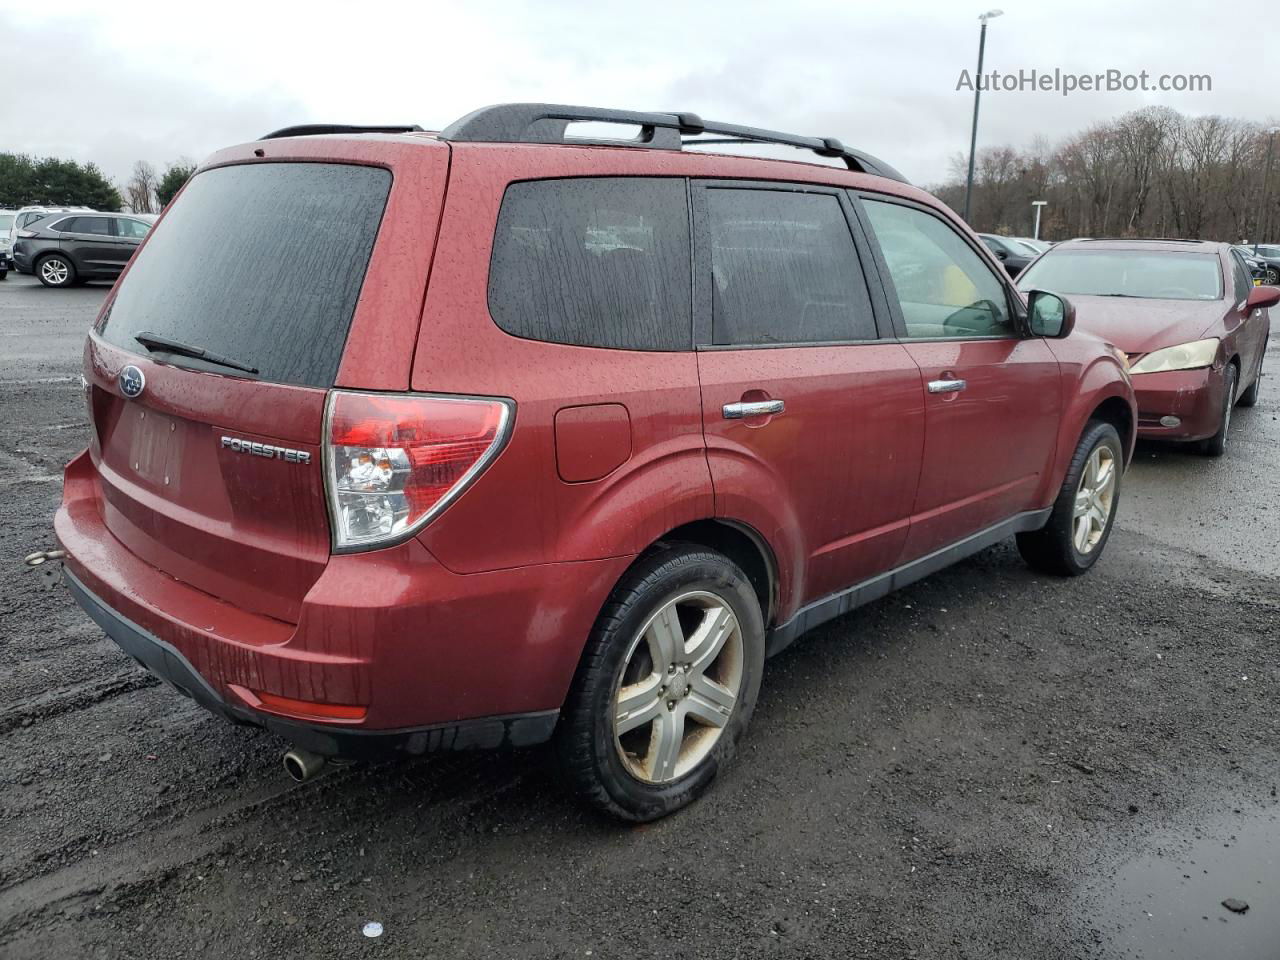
(1050, 315)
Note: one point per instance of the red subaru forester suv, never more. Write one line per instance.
(407, 441)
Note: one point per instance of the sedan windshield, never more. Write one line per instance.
(1146, 274)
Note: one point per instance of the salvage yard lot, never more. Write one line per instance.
(954, 771)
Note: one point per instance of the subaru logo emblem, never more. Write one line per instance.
(132, 382)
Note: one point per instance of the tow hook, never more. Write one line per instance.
(47, 563)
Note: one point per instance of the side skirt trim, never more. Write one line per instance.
(840, 603)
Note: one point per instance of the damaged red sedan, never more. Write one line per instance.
(1185, 312)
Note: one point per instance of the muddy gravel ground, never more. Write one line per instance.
(987, 764)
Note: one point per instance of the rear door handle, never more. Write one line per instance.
(759, 408)
(947, 386)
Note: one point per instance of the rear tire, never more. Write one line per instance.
(646, 761)
(1216, 445)
(1250, 397)
(1085, 509)
(55, 270)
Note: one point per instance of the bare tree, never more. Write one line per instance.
(140, 191)
(1152, 172)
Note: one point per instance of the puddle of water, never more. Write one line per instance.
(1167, 902)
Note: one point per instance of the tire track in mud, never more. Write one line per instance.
(77, 697)
(453, 785)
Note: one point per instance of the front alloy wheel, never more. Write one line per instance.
(1084, 511)
(1094, 498)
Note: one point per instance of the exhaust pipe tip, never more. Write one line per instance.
(302, 765)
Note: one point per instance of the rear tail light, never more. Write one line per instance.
(393, 462)
(26, 234)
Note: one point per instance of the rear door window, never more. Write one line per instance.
(262, 263)
(784, 269)
(93, 226)
(597, 262)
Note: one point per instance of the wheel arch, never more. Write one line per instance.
(1115, 411)
(740, 543)
(44, 255)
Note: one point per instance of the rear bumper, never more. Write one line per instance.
(1194, 397)
(168, 663)
(440, 660)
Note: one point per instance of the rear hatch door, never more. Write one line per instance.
(209, 369)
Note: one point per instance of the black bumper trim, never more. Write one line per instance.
(167, 663)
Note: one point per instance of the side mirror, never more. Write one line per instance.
(1000, 254)
(1050, 315)
(1260, 297)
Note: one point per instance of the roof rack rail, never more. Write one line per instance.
(317, 129)
(548, 123)
(1146, 239)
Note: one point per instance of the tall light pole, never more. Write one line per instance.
(1037, 204)
(1264, 215)
(977, 96)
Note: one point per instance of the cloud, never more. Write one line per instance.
(158, 81)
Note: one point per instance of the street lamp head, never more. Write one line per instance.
(990, 15)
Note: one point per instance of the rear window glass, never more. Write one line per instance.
(599, 262)
(1150, 275)
(261, 263)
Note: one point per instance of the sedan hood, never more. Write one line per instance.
(1139, 326)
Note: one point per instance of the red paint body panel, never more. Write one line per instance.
(486, 610)
(1195, 397)
(372, 629)
(988, 448)
(829, 482)
(592, 441)
(248, 530)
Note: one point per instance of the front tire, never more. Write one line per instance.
(56, 270)
(1250, 397)
(1085, 510)
(666, 685)
(1216, 445)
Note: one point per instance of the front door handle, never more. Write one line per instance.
(947, 386)
(759, 408)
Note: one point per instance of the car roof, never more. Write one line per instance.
(1153, 244)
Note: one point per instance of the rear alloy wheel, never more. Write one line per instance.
(1250, 397)
(1083, 514)
(1216, 445)
(1272, 278)
(666, 685)
(56, 270)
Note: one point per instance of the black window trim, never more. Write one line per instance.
(595, 176)
(1237, 263)
(1013, 300)
(703, 339)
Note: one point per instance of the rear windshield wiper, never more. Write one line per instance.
(153, 342)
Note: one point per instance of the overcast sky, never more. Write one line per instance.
(117, 82)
